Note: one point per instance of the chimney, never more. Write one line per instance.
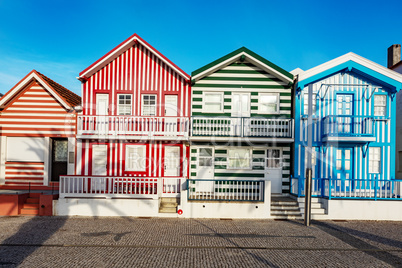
(394, 55)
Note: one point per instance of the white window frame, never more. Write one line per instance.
(149, 105)
(236, 167)
(376, 105)
(273, 158)
(278, 109)
(204, 102)
(124, 106)
(372, 160)
(141, 165)
(200, 156)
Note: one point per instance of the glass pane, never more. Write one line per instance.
(213, 97)
(213, 107)
(347, 165)
(269, 99)
(60, 151)
(338, 164)
(244, 103)
(205, 162)
(338, 154)
(205, 152)
(347, 154)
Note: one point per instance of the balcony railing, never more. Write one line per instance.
(345, 126)
(137, 126)
(119, 187)
(374, 189)
(226, 190)
(241, 127)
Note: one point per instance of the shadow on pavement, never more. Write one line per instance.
(359, 244)
(30, 236)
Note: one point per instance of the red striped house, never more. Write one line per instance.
(135, 121)
(37, 133)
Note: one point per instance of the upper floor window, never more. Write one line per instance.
(268, 103)
(314, 103)
(380, 105)
(374, 159)
(213, 102)
(124, 104)
(148, 105)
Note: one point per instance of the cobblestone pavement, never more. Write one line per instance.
(157, 242)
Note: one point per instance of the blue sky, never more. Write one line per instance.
(62, 38)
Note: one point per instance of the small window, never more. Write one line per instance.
(374, 160)
(380, 105)
(124, 104)
(268, 103)
(135, 157)
(205, 157)
(239, 158)
(274, 159)
(213, 102)
(149, 105)
(314, 103)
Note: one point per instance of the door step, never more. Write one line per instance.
(31, 205)
(168, 205)
(285, 208)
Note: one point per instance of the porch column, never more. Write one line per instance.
(47, 169)
(71, 156)
(3, 150)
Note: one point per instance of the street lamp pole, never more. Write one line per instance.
(307, 192)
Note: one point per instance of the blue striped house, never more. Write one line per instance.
(353, 127)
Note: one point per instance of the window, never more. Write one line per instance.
(213, 102)
(380, 105)
(239, 158)
(149, 105)
(374, 160)
(135, 157)
(274, 158)
(314, 104)
(124, 104)
(268, 103)
(205, 157)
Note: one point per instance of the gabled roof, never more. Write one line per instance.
(67, 98)
(235, 56)
(351, 62)
(126, 44)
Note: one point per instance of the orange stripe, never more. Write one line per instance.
(36, 129)
(34, 112)
(41, 101)
(24, 163)
(22, 183)
(24, 178)
(27, 168)
(38, 123)
(24, 173)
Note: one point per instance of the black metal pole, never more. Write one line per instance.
(307, 203)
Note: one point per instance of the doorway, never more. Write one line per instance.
(59, 158)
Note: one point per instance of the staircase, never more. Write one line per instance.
(317, 211)
(285, 208)
(168, 205)
(31, 205)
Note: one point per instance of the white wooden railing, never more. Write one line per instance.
(241, 127)
(226, 190)
(118, 187)
(132, 125)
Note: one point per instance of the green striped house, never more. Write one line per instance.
(241, 124)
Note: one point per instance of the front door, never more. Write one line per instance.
(99, 160)
(59, 158)
(102, 104)
(171, 111)
(343, 169)
(273, 169)
(345, 110)
(240, 108)
(172, 161)
(205, 165)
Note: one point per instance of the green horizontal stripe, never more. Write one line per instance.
(197, 92)
(254, 108)
(220, 159)
(220, 167)
(285, 101)
(285, 108)
(193, 166)
(221, 151)
(258, 168)
(241, 72)
(254, 101)
(193, 158)
(241, 86)
(193, 150)
(227, 107)
(285, 94)
(208, 114)
(243, 175)
(258, 159)
(197, 99)
(258, 152)
(227, 93)
(197, 106)
(193, 174)
(286, 152)
(270, 116)
(254, 93)
(240, 79)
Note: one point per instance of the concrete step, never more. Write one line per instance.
(32, 200)
(285, 212)
(287, 217)
(167, 210)
(169, 205)
(313, 205)
(170, 200)
(30, 206)
(284, 203)
(280, 207)
(29, 211)
(315, 211)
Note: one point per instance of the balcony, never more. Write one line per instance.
(247, 128)
(347, 128)
(132, 127)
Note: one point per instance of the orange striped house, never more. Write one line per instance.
(37, 133)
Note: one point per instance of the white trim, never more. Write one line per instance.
(236, 57)
(22, 83)
(142, 103)
(338, 139)
(121, 49)
(351, 57)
